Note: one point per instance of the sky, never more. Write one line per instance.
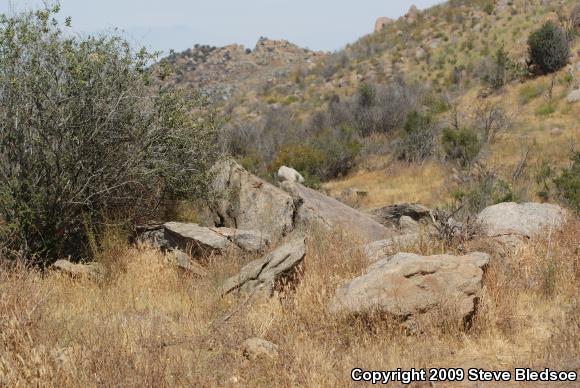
(161, 25)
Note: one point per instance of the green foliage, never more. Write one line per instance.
(418, 138)
(488, 8)
(330, 154)
(481, 191)
(304, 158)
(549, 48)
(529, 91)
(568, 183)
(461, 144)
(546, 109)
(85, 139)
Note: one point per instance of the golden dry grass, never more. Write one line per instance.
(148, 325)
(398, 182)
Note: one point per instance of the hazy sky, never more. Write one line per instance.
(179, 24)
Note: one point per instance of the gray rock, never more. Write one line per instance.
(201, 240)
(185, 264)
(574, 96)
(406, 286)
(523, 220)
(289, 174)
(318, 210)
(270, 270)
(408, 225)
(93, 271)
(390, 215)
(378, 250)
(420, 54)
(244, 201)
(255, 348)
(196, 239)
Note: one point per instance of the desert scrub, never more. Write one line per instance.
(85, 139)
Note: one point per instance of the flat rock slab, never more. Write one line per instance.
(203, 240)
(406, 285)
(524, 220)
(266, 272)
(317, 209)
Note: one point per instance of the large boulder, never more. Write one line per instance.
(269, 271)
(406, 286)
(289, 174)
(524, 220)
(318, 210)
(244, 201)
(200, 240)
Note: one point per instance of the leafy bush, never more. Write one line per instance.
(461, 144)
(418, 139)
(568, 183)
(84, 138)
(304, 158)
(340, 146)
(549, 48)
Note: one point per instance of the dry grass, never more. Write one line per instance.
(398, 182)
(148, 325)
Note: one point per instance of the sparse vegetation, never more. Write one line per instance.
(568, 183)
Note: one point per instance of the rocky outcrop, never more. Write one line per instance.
(244, 201)
(523, 220)
(221, 72)
(390, 215)
(289, 174)
(382, 22)
(92, 271)
(318, 210)
(256, 348)
(272, 270)
(200, 240)
(407, 286)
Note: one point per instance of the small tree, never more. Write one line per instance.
(84, 137)
(568, 183)
(549, 48)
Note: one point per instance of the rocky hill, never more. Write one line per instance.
(288, 105)
(222, 71)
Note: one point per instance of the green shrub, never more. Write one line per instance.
(304, 158)
(462, 145)
(546, 109)
(418, 139)
(85, 139)
(529, 91)
(549, 48)
(568, 183)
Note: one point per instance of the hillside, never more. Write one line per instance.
(221, 72)
(448, 52)
(426, 217)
